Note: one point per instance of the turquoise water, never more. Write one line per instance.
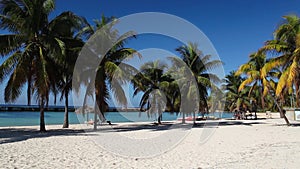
(33, 118)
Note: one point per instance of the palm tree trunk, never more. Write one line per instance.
(99, 106)
(47, 102)
(100, 100)
(84, 103)
(66, 118)
(262, 102)
(262, 96)
(183, 117)
(194, 118)
(282, 113)
(42, 116)
(159, 119)
(96, 109)
(55, 98)
(29, 91)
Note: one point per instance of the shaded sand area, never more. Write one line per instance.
(230, 144)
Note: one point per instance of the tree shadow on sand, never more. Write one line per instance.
(10, 135)
(215, 124)
(292, 124)
(150, 127)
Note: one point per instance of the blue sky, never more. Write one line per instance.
(235, 27)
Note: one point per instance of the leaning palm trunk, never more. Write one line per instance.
(282, 114)
(66, 118)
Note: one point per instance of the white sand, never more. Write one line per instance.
(234, 144)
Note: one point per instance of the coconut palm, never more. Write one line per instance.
(153, 82)
(200, 65)
(109, 76)
(172, 93)
(235, 98)
(253, 70)
(217, 101)
(186, 91)
(281, 100)
(24, 24)
(286, 47)
(31, 49)
(66, 26)
(65, 78)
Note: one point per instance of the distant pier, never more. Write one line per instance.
(33, 108)
(8, 107)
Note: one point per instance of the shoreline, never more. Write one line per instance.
(261, 116)
(274, 120)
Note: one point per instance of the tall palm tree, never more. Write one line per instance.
(153, 82)
(66, 26)
(31, 48)
(286, 47)
(186, 93)
(109, 66)
(24, 24)
(253, 70)
(64, 81)
(200, 65)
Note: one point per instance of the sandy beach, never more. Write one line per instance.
(264, 143)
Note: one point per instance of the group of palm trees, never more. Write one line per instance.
(183, 87)
(270, 78)
(41, 53)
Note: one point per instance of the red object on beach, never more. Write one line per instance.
(188, 118)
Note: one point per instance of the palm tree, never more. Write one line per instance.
(110, 61)
(23, 24)
(65, 78)
(253, 70)
(31, 49)
(200, 65)
(235, 98)
(186, 93)
(286, 46)
(172, 93)
(153, 82)
(217, 101)
(66, 26)
(271, 86)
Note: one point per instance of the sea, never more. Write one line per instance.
(23, 118)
